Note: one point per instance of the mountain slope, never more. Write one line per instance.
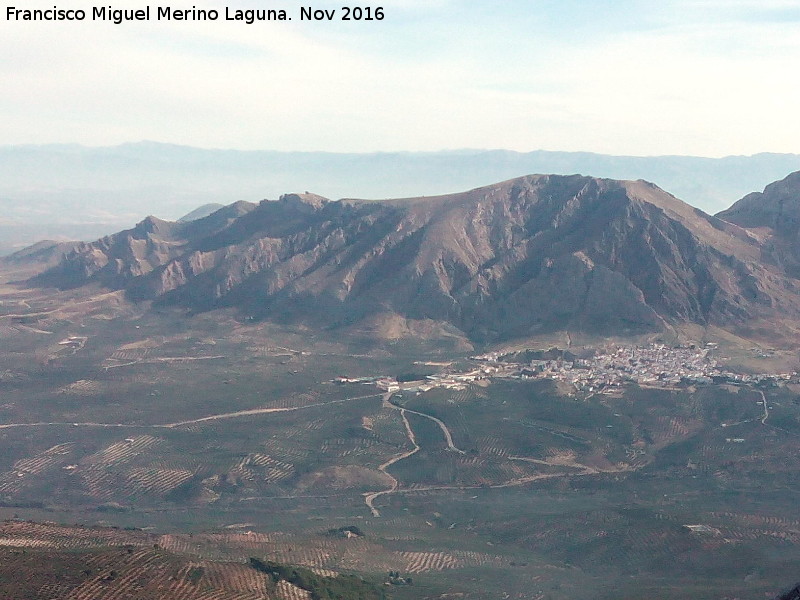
(528, 255)
(47, 252)
(774, 215)
(777, 207)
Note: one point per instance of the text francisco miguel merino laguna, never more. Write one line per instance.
(167, 13)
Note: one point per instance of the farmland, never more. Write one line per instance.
(214, 439)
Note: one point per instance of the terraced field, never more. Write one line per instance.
(74, 563)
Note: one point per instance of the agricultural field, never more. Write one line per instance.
(45, 561)
(184, 445)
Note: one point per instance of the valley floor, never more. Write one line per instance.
(206, 441)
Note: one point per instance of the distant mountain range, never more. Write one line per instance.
(526, 256)
(73, 192)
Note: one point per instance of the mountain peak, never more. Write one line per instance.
(520, 257)
(201, 212)
(306, 202)
(151, 224)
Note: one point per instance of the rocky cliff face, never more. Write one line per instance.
(525, 256)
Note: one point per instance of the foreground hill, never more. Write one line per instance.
(49, 561)
(529, 255)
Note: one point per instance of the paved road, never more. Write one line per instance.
(230, 415)
(263, 411)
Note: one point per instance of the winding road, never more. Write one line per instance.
(370, 497)
(447, 435)
(766, 408)
(394, 487)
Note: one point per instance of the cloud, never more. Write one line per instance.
(686, 77)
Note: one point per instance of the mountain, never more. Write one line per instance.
(46, 252)
(77, 192)
(202, 211)
(525, 256)
(777, 208)
(775, 215)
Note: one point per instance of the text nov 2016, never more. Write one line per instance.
(118, 16)
(348, 13)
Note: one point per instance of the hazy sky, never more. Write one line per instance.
(700, 77)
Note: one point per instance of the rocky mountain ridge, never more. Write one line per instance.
(525, 256)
